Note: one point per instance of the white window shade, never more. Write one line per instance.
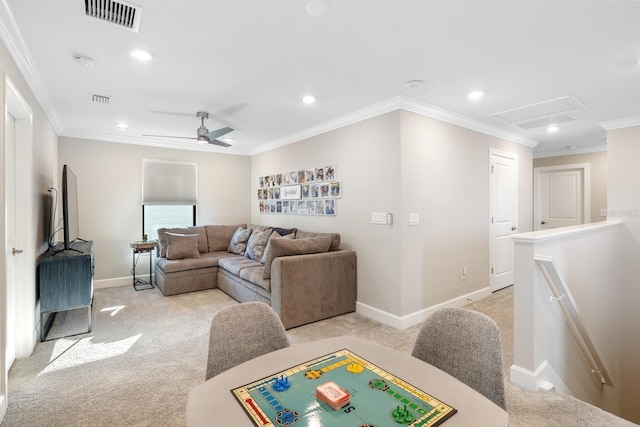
(169, 183)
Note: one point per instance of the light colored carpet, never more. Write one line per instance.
(146, 352)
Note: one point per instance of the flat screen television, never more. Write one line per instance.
(69, 206)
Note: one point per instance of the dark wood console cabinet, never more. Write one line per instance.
(65, 279)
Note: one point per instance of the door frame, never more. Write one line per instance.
(26, 331)
(586, 189)
(514, 157)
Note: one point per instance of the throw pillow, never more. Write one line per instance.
(239, 241)
(274, 235)
(256, 244)
(286, 247)
(181, 246)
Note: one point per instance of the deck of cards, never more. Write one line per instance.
(333, 395)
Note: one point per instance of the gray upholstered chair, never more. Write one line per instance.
(242, 332)
(467, 345)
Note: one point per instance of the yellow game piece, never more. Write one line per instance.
(355, 368)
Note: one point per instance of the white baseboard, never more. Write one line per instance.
(117, 281)
(403, 322)
(543, 377)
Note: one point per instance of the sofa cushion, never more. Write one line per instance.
(206, 260)
(181, 246)
(236, 264)
(274, 235)
(239, 241)
(335, 237)
(199, 230)
(286, 247)
(256, 244)
(219, 236)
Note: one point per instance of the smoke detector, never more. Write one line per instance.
(82, 60)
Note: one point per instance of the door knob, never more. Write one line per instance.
(543, 222)
(514, 228)
(16, 251)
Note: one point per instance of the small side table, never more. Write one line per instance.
(140, 247)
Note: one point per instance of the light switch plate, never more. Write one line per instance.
(414, 219)
(379, 218)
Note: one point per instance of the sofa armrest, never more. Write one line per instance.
(312, 287)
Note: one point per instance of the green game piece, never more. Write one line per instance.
(402, 415)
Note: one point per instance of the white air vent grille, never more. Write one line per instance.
(120, 12)
(534, 112)
(532, 124)
(100, 99)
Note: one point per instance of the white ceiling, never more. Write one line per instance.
(248, 63)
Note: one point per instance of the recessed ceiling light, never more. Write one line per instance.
(317, 7)
(309, 99)
(474, 95)
(122, 125)
(141, 54)
(553, 129)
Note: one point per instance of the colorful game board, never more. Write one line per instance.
(377, 398)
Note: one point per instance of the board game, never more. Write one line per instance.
(374, 397)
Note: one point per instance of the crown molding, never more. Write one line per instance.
(12, 39)
(393, 104)
(567, 152)
(621, 123)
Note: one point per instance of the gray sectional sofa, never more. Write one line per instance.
(303, 276)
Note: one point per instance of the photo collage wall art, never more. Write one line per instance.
(310, 191)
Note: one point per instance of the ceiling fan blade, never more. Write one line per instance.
(170, 136)
(214, 134)
(220, 143)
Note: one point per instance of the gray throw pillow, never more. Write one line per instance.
(286, 247)
(239, 241)
(274, 235)
(256, 244)
(181, 246)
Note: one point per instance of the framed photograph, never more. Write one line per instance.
(329, 173)
(319, 174)
(324, 190)
(302, 207)
(286, 179)
(335, 189)
(309, 175)
(293, 177)
(314, 191)
(305, 191)
(329, 207)
(290, 192)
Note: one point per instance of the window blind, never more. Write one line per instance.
(169, 183)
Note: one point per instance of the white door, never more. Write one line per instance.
(561, 196)
(503, 195)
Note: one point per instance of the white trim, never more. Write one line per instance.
(404, 322)
(566, 152)
(387, 106)
(586, 189)
(15, 44)
(543, 377)
(621, 123)
(563, 232)
(115, 282)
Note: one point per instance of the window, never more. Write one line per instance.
(169, 195)
(167, 216)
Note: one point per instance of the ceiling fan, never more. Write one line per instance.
(204, 136)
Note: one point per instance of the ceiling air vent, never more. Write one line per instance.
(120, 12)
(100, 99)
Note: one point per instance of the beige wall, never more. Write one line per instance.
(598, 183)
(445, 178)
(404, 163)
(624, 199)
(110, 193)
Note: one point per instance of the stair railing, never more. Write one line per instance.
(561, 294)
